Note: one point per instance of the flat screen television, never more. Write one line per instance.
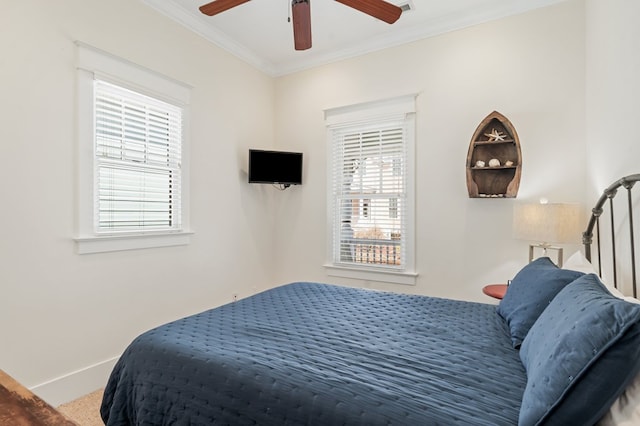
(275, 167)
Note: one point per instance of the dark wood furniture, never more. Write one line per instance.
(494, 141)
(20, 407)
(495, 290)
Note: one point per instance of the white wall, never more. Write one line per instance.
(613, 91)
(530, 67)
(613, 108)
(61, 312)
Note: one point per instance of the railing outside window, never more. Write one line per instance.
(371, 251)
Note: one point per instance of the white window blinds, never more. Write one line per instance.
(138, 142)
(369, 194)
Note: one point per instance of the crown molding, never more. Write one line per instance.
(220, 39)
(426, 29)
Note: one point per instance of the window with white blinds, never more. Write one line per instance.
(371, 190)
(138, 143)
(370, 194)
(132, 181)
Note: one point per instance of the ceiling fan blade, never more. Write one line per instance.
(301, 15)
(379, 9)
(219, 6)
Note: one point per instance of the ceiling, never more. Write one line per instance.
(259, 33)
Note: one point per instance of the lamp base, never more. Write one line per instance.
(544, 248)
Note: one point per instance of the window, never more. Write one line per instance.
(365, 208)
(371, 191)
(393, 208)
(132, 180)
(138, 142)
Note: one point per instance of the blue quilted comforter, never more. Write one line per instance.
(317, 354)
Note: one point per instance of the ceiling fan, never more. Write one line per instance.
(301, 14)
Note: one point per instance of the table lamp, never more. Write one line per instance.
(547, 223)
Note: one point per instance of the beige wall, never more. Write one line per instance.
(613, 108)
(613, 91)
(529, 67)
(61, 312)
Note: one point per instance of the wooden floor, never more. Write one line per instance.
(20, 407)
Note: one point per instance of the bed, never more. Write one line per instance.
(561, 348)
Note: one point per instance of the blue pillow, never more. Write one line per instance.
(580, 355)
(530, 292)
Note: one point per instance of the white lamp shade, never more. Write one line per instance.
(548, 223)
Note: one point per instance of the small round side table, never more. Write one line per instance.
(496, 291)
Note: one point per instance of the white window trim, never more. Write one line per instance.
(394, 277)
(360, 113)
(91, 63)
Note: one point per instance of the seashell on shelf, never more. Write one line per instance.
(494, 162)
(480, 163)
(508, 163)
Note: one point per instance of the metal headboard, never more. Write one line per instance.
(607, 197)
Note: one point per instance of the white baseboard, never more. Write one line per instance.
(76, 384)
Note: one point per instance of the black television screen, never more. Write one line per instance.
(277, 167)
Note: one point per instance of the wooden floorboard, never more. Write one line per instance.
(20, 407)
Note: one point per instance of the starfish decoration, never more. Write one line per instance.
(495, 135)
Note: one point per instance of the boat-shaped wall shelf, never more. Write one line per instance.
(494, 161)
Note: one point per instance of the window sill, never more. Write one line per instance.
(387, 276)
(107, 243)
